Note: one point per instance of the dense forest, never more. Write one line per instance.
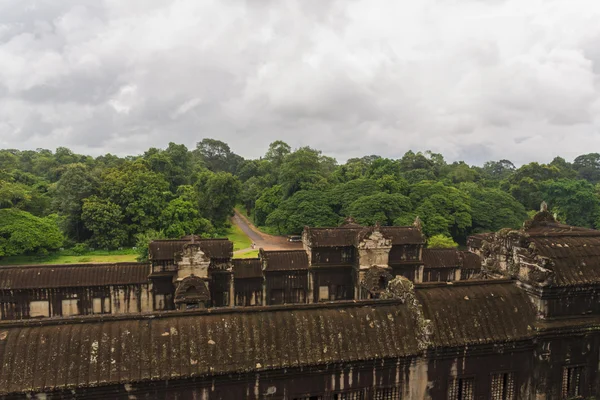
(50, 200)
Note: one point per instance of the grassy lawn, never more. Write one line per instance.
(247, 254)
(98, 256)
(238, 237)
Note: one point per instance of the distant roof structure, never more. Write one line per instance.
(441, 258)
(349, 234)
(247, 268)
(72, 275)
(450, 258)
(574, 251)
(284, 260)
(556, 254)
(167, 249)
(476, 312)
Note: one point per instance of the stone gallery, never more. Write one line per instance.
(359, 313)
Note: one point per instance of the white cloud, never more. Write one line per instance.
(471, 79)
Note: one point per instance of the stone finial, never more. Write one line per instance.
(349, 220)
(377, 225)
(418, 224)
(544, 206)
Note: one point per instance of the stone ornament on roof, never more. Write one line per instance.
(376, 280)
(350, 222)
(418, 224)
(192, 289)
(403, 289)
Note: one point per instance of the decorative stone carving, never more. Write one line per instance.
(376, 280)
(192, 290)
(373, 248)
(192, 261)
(403, 289)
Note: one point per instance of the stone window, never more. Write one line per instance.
(101, 305)
(256, 298)
(70, 307)
(571, 381)
(391, 393)
(159, 301)
(503, 386)
(298, 295)
(461, 389)
(277, 296)
(340, 293)
(39, 309)
(323, 293)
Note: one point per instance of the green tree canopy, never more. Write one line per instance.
(24, 233)
(383, 208)
(441, 242)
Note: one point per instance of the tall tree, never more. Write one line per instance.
(106, 222)
(217, 156)
(218, 193)
(76, 183)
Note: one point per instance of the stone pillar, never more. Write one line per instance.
(419, 273)
(231, 291)
(311, 286)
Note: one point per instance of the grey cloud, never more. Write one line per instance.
(473, 80)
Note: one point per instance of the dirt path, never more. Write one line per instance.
(262, 240)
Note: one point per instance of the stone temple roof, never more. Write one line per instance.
(72, 275)
(570, 253)
(349, 235)
(167, 250)
(103, 350)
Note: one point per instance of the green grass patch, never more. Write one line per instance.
(238, 237)
(247, 254)
(96, 256)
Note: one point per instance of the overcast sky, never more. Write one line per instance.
(473, 79)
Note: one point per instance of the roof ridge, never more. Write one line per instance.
(91, 264)
(473, 282)
(92, 318)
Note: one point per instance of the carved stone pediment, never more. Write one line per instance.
(192, 289)
(403, 289)
(192, 261)
(373, 248)
(376, 280)
(374, 240)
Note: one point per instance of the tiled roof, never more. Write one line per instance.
(470, 260)
(60, 354)
(476, 312)
(333, 237)
(441, 258)
(72, 275)
(247, 268)
(576, 260)
(349, 235)
(284, 260)
(403, 234)
(164, 250)
(450, 258)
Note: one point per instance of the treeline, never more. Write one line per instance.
(61, 199)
